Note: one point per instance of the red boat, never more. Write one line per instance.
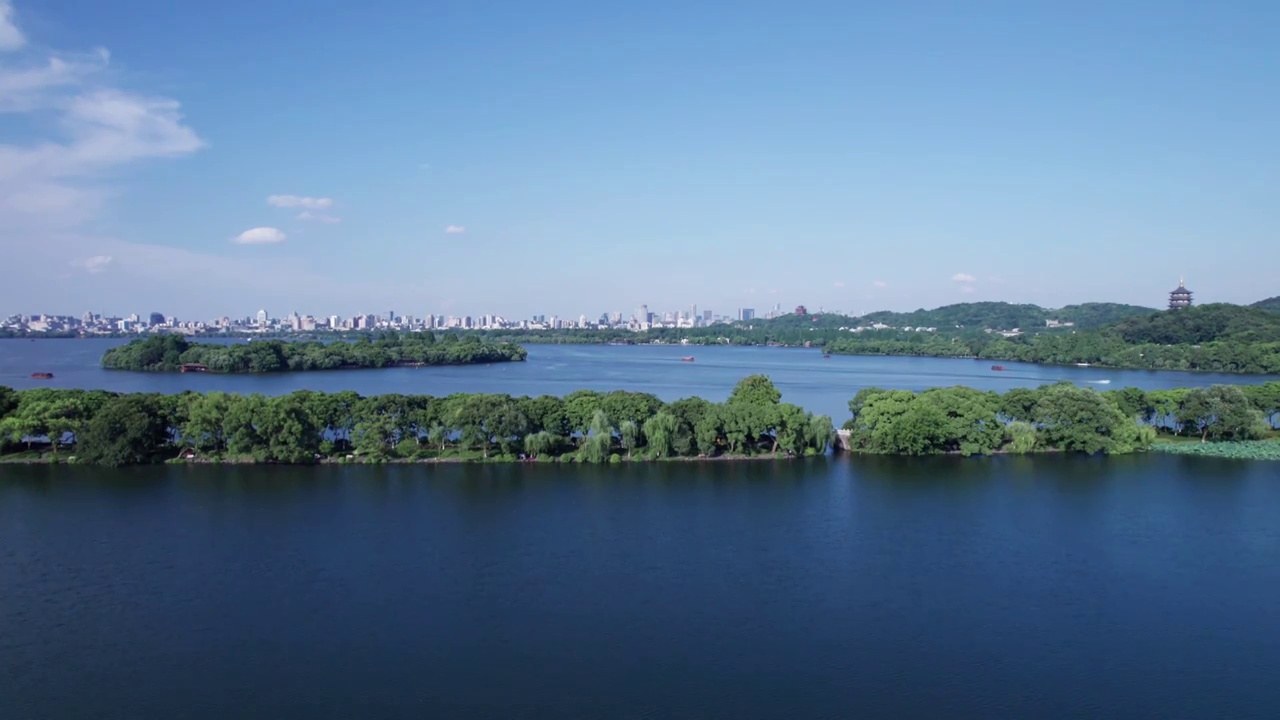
(687, 358)
(42, 376)
(997, 368)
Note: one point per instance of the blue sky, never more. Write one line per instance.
(579, 157)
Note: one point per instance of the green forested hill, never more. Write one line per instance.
(1092, 315)
(1272, 303)
(1202, 324)
(1005, 316)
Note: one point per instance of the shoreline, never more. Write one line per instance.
(286, 371)
(70, 459)
(775, 346)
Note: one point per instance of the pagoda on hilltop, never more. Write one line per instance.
(1180, 298)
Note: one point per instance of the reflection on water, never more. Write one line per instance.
(1054, 586)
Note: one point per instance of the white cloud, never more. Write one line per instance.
(27, 88)
(101, 128)
(73, 131)
(95, 264)
(455, 229)
(297, 201)
(839, 284)
(318, 217)
(10, 36)
(259, 236)
(964, 278)
(879, 284)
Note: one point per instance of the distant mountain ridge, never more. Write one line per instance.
(1007, 316)
(1271, 303)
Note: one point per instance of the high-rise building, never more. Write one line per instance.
(262, 318)
(707, 316)
(745, 314)
(156, 319)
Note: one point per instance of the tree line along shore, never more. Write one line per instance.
(104, 428)
(174, 353)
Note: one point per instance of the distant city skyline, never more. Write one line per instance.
(862, 157)
(1159, 301)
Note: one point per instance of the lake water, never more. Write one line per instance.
(803, 376)
(1053, 587)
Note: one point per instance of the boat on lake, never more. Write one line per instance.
(997, 368)
(687, 358)
(826, 356)
(42, 376)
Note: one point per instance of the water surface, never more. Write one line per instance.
(1053, 587)
(804, 377)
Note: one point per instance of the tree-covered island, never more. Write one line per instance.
(104, 428)
(174, 353)
(98, 427)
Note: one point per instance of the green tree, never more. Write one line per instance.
(238, 424)
(599, 441)
(546, 412)
(629, 433)
(1021, 437)
(821, 433)
(1221, 412)
(1076, 419)
(580, 407)
(793, 430)
(971, 425)
(755, 390)
(439, 435)
(204, 428)
(8, 401)
(709, 430)
(660, 431)
(128, 430)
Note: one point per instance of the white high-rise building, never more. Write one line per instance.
(262, 318)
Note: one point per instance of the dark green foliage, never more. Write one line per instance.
(1202, 324)
(1221, 412)
(1094, 315)
(1006, 316)
(1075, 419)
(126, 430)
(756, 389)
(1242, 349)
(1053, 417)
(981, 315)
(8, 401)
(307, 426)
(1271, 303)
(167, 353)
